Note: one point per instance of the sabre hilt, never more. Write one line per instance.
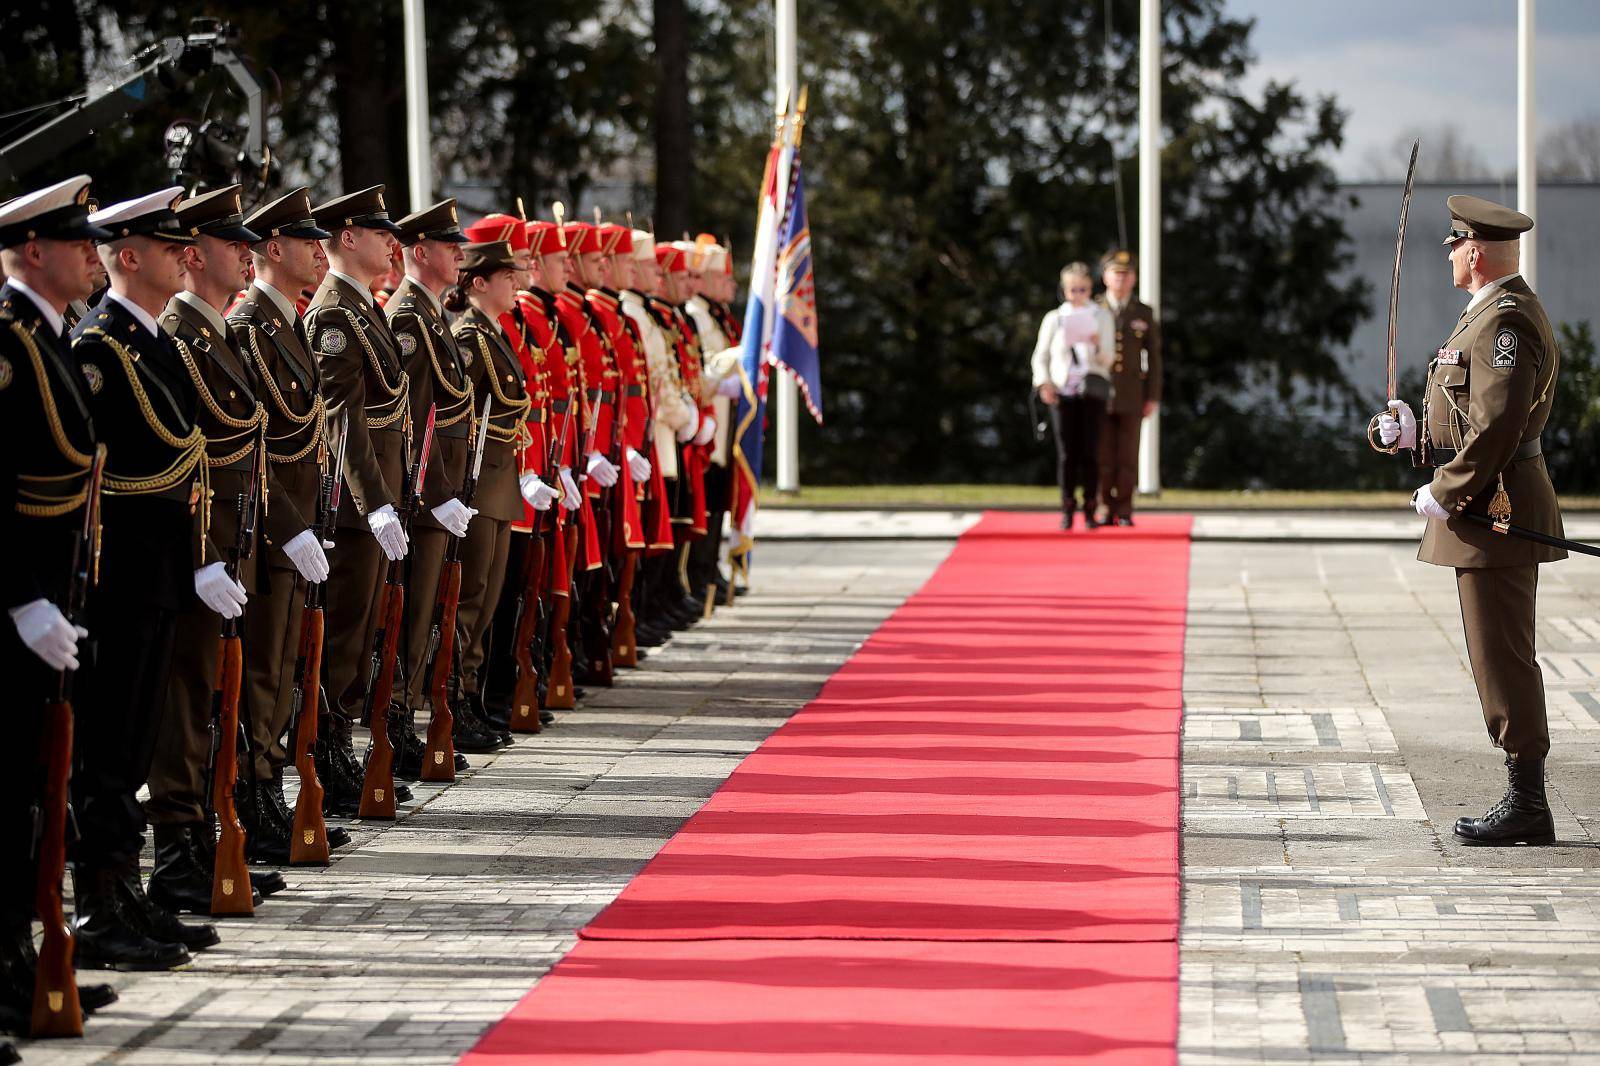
(1375, 438)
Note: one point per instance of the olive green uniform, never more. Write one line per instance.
(1490, 389)
(1135, 381)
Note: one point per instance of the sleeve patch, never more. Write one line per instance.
(333, 341)
(1505, 349)
(94, 377)
(408, 343)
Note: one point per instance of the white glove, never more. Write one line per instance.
(385, 525)
(48, 634)
(571, 499)
(605, 475)
(708, 429)
(686, 434)
(731, 387)
(305, 552)
(1426, 505)
(638, 466)
(454, 515)
(218, 591)
(539, 495)
(1402, 429)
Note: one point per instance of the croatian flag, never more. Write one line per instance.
(757, 340)
(794, 330)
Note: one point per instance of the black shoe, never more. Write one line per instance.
(1521, 817)
(1091, 522)
(19, 966)
(1125, 520)
(266, 838)
(338, 771)
(462, 763)
(1066, 519)
(547, 717)
(469, 737)
(158, 923)
(94, 997)
(8, 1053)
(409, 750)
(182, 879)
(108, 933)
(650, 636)
(338, 837)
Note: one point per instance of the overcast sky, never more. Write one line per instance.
(1394, 64)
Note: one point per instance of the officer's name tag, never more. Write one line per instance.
(1449, 356)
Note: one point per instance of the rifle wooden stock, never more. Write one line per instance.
(439, 761)
(525, 696)
(55, 990)
(308, 845)
(624, 644)
(377, 784)
(559, 694)
(230, 879)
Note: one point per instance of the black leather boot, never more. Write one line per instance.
(180, 882)
(203, 845)
(19, 963)
(158, 923)
(409, 749)
(468, 735)
(9, 1053)
(109, 935)
(338, 769)
(1521, 817)
(266, 841)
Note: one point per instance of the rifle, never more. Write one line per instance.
(439, 760)
(377, 784)
(55, 989)
(230, 879)
(532, 636)
(308, 842)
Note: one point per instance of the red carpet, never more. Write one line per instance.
(997, 764)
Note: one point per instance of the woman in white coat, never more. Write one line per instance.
(1072, 371)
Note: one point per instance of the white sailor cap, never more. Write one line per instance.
(644, 245)
(152, 215)
(60, 212)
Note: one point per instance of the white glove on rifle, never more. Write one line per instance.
(539, 495)
(731, 387)
(638, 466)
(1402, 429)
(570, 497)
(454, 515)
(686, 434)
(708, 429)
(305, 552)
(385, 525)
(218, 591)
(1426, 505)
(605, 475)
(48, 634)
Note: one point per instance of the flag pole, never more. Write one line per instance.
(1527, 139)
(1150, 213)
(419, 151)
(788, 412)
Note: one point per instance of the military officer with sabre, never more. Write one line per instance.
(1491, 510)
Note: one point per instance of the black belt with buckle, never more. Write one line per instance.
(602, 396)
(560, 407)
(455, 430)
(633, 391)
(536, 416)
(238, 464)
(1526, 450)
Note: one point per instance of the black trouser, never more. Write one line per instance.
(1076, 420)
(121, 699)
(31, 685)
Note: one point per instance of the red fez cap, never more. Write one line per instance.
(582, 237)
(498, 227)
(616, 240)
(672, 260)
(542, 239)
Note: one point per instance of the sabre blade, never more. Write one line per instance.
(1394, 281)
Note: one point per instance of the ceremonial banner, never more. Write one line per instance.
(752, 411)
(794, 330)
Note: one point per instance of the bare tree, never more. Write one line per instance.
(1447, 155)
(1572, 150)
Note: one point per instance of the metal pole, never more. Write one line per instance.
(1527, 137)
(419, 152)
(1150, 213)
(788, 393)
